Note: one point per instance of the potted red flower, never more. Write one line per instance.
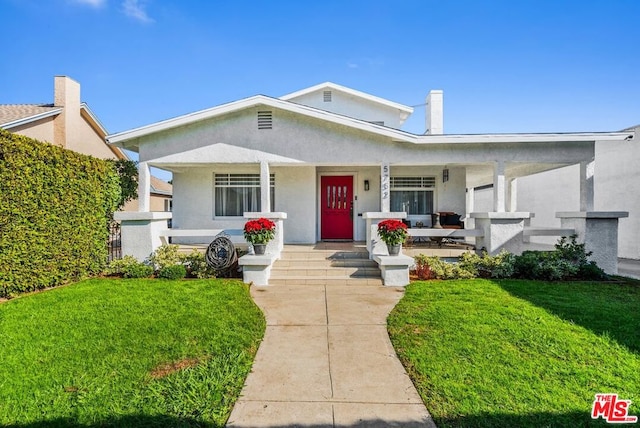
(259, 232)
(393, 232)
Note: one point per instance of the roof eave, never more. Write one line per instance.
(523, 138)
(121, 139)
(26, 120)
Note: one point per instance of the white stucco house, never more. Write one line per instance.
(328, 162)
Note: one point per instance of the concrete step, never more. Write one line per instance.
(325, 281)
(347, 272)
(326, 264)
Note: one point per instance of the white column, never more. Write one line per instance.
(587, 170)
(471, 200)
(144, 187)
(265, 188)
(499, 190)
(385, 188)
(513, 195)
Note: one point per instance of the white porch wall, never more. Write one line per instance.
(617, 182)
(295, 195)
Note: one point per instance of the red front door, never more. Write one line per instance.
(337, 207)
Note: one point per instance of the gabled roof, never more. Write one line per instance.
(121, 139)
(13, 115)
(353, 92)
(160, 187)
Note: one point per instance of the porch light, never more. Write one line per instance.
(366, 185)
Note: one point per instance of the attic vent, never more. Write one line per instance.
(327, 96)
(265, 120)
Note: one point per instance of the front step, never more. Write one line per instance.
(308, 265)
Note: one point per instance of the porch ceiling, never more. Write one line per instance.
(482, 174)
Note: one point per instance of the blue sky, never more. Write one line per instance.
(504, 66)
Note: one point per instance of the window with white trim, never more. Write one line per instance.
(235, 194)
(413, 195)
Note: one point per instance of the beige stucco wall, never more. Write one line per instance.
(41, 130)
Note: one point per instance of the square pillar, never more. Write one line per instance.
(385, 188)
(265, 187)
(144, 187)
(499, 187)
(587, 172)
(598, 231)
(276, 245)
(140, 232)
(501, 231)
(375, 245)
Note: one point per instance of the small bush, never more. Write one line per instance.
(501, 265)
(197, 266)
(172, 272)
(436, 268)
(129, 267)
(165, 256)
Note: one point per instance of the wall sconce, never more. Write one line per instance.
(366, 185)
(445, 175)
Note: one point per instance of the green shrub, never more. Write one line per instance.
(165, 256)
(53, 214)
(129, 267)
(172, 272)
(197, 266)
(568, 261)
(486, 266)
(436, 268)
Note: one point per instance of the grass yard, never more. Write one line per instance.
(516, 353)
(133, 353)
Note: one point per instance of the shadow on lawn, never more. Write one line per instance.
(123, 421)
(606, 308)
(490, 420)
(535, 420)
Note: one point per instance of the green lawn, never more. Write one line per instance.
(519, 353)
(127, 353)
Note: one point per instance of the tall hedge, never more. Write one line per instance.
(54, 206)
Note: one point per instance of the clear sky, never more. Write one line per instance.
(504, 65)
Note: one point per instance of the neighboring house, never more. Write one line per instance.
(617, 186)
(69, 123)
(333, 158)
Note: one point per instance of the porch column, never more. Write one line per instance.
(513, 195)
(265, 187)
(144, 187)
(499, 190)
(587, 170)
(385, 188)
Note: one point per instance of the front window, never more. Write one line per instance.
(413, 195)
(236, 194)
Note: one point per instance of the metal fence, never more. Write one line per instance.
(114, 244)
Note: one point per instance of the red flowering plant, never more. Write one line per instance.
(392, 231)
(259, 231)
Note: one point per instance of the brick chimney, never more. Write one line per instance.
(434, 114)
(66, 94)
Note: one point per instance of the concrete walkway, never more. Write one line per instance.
(326, 361)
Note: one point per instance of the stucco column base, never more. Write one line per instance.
(598, 231)
(276, 245)
(140, 232)
(501, 231)
(375, 245)
(394, 269)
(256, 269)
